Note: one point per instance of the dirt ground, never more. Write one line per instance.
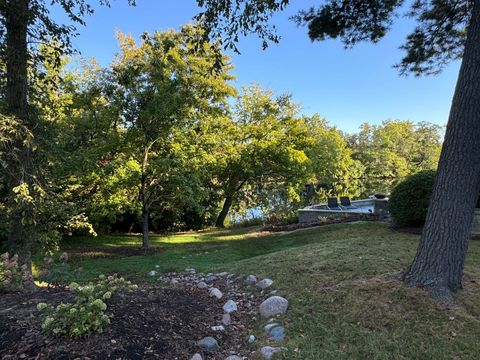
(154, 322)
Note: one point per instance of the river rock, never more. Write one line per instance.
(230, 306)
(197, 356)
(210, 278)
(269, 327)
(226, 319)
(264, 284)
(274, 305)
(268, 351)
(233, 357)
(152, 273)
(251, 279)
(202, 285)
(215, 292)
(209, 344)
(277, 333)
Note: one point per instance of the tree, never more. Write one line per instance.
(25, 25)
(446, 30)
(263, 150)
(396, 148)
(165, 85)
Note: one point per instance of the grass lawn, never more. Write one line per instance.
(340, 305)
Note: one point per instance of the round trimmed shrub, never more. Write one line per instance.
(409, 200)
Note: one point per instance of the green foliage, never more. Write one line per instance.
(87, 314)
(396, 148)
(438, 38)
(12, 276)
(409, 200)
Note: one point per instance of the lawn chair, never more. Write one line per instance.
(332, 204)
(345, 202)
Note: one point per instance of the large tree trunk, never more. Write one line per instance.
(144, 199)
(225, 209)
(145, 238)
(21, 237)
(440, 258)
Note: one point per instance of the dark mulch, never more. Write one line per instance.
(151, 323)
(327, 221)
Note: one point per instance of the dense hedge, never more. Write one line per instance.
(409, 200)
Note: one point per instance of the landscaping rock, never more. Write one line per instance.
(210, 278)
(268, 351)
(274, 305)
(173, 281)
(230, 306)
(269, 327)
(234, 357)
(222, 274)
(277, 333)
(264, 284)
(251, 339)
(251, 279)
(226, 319)
(217, 293)
(218, 328)
(202, 285)
(152, 273)
(197, 356)
(209, 344)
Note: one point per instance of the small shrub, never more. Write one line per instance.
(12, 276)
(409, 200)
(87, 314)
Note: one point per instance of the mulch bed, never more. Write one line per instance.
(152, 323)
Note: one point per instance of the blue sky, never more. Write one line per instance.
(347, 87)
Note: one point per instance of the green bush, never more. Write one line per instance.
(409, 200)
(87, 314)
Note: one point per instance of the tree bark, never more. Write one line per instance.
(17, 18)
(225, 209)
(145, 237)
(144, 199)
(439, 262)
(16, 23)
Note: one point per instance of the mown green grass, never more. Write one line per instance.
(340, 305)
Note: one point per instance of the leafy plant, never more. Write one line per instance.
(12, 276)
(87, 314)
(410, 199)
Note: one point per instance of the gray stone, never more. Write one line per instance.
(218, 328)
(277, 333)
(197, 356)
(190, 270)
(226, 319)
(251, 279)
(152, 273)
(202, 285)
(215, 292)
(230, 306)
(174, 281)
(268, 351)
(234, 357)
(222, 274)
(209, 344)
(251, 339)
(264, 283)
(274, 305)
(269, 327)
(210, 278)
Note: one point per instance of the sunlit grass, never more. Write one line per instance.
(341, 307)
